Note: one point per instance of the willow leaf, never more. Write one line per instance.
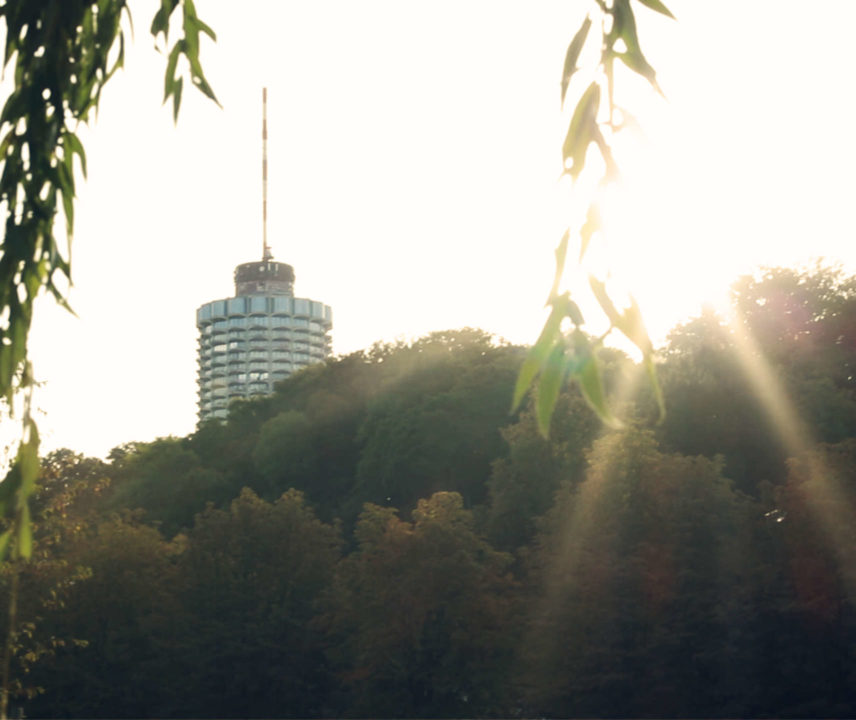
(561, 254)
(589, 228)
(599, 289)
(591, 384)
(658, 6)
(573, 55)
(581, 130)
(548, 388)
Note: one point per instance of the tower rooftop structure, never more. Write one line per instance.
(264, 278)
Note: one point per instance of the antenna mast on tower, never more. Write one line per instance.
(266, 253)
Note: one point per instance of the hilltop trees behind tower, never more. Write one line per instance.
(380, 537)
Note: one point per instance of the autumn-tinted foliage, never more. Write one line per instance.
(419, 614)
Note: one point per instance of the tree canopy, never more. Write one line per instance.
(334, 551)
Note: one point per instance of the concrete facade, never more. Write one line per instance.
(260, 336)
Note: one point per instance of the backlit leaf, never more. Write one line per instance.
(25, 533)
(4, 544)
(68, 208)
(531, 367)
(9, 488)
(176, 98)
(120, 58)
(551, 335)
(169, 78)
(6, 366)
(572, 310)
(161, 21)
(581, 130)
(603, 299)
(561, 253)
(606, 154)
(658, 6)
(548, 388)
(74, 145)
(203, 85)
(536, 357)
(591, 384)
(573, 55)
(206, 29)
(636, 61)
(625, 28)
(631, 324)
(589, 228)
(29, 461)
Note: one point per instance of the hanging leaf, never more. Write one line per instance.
(25, 533)
(624, 27)
(581, 131)
(160, 23)
(561, 253)
(28, 458)
(606, 153)
(9, 490)
(589, 228)
(203, 85)
(658, 6)
(73, 144)
(591, 384)
(599, 289)
(169, 76)
(532, 365)
(120, 58)
(537, 356)
(636, 61)
(631, 324)
(572, 311)
(66, 188)
(573, 55)
(176, 98)
(4, 544)
(206, 29)
(552, 377)
(550, 337)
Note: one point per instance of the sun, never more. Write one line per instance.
(655, 244)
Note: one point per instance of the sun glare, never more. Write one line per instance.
(655, 244)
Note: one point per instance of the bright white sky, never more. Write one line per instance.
(414, 153)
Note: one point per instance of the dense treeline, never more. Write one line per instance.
(381, 538)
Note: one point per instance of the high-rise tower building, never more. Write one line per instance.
(264, 333)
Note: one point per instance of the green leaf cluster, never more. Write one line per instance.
(187, 47)
(558, 356)
(63, 53)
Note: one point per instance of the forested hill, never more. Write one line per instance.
(381, 538)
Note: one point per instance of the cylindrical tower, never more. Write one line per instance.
(260, 336)
(264, 333)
